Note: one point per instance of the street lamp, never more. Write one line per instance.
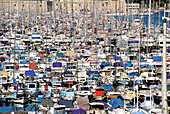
(164, 78)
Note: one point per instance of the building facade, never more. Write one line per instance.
(43, 6)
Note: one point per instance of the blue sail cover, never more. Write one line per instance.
(115, 102)
(36, 38)
(107, 87)
(131, 42)
(69, 64)
(105, 64)
(57, 64)
(30, 73)
(78, 111)
(132, 74)
(157, 59)
(48, 69)
(10, 109)
(120, 64)
(168, 77)
(64, 56)
(117, 58)
(128, 65)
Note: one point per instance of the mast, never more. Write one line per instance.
(22, 19)
(59, 9)
(72, 22)
(149, 17)
(28, 11)
(128, 14)
(11, 15)
(93, 23)
(159, 12)
(119, 15)
(54, 14)
(169, 12)
(164, 10)
(11, 9)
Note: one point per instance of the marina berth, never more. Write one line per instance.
(84, 56)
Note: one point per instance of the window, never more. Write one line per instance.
(84, 88)
(32, 86)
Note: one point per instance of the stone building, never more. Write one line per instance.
(43, 6)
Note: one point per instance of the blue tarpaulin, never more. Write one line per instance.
(57, 64)
(115, 103)
(36, 38)
(64, 56)
(87, 48)
(30, 108)
(69, 64)
(30, 73)
(143, 60)
(109, 29)
(105, 64)
(107, 87)
(78, 111)
(132, 74)
(9, 109)
(130, 42)
(67, 103)
(157, 59)
(48, 69)
(128, 65)
(117, 58)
